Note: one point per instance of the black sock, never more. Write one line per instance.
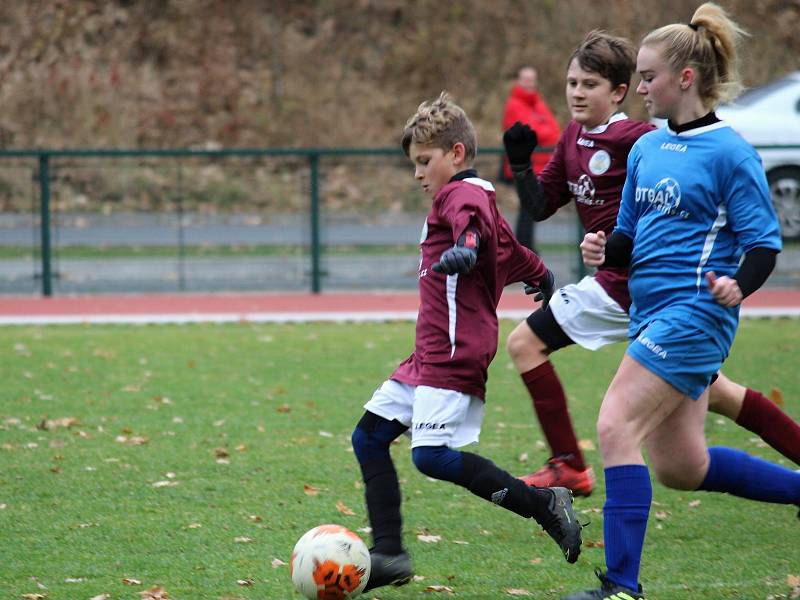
(382, 493)
(488, 481)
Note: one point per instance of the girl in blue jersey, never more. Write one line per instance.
(695, 201)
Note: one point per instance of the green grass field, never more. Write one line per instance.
(191, 458)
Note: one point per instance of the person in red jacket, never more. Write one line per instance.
(525, 104)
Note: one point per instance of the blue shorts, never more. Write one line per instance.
(679, 353)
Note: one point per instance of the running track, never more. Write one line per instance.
(330, 306)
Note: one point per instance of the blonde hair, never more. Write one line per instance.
(708, 44)
(441, 123)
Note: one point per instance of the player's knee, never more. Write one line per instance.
(368, 443)
(522, 344)
(684, 474)
(439, 462)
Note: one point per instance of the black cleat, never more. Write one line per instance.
(389, 569)
(560, 523)
(608, 591)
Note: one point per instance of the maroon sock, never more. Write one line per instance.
(550, 404)
(762, 416)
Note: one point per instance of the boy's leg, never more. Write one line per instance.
(371, 440)
(453, 419)
(757, 413)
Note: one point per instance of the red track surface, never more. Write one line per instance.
(330, 302)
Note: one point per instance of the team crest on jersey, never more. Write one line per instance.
(600, 162)
(424, 235)
(665, 197)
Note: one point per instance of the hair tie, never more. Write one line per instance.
(693, 26)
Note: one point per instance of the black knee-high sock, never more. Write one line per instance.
(488, 481)
(382, 493)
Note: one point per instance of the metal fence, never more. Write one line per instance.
(254, 219)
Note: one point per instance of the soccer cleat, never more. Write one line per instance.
(560, 523)
(388, 569)
(557, 472)
(608, 591)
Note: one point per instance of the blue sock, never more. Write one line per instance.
(740, 474)
(628, 497)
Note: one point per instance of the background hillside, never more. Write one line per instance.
(176, 73)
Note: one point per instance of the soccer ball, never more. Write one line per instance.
(330, 562)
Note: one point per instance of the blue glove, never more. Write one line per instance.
(544, 291)
(458, 259)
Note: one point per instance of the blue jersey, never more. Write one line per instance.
(693, 202)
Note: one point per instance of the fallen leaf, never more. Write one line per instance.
(244, 582)
(694, 503)
(461, 542)
(131, 581)
(794, 583)
(193, 526)
(586, 444)
(242, 539)
(51, 424)
(776, 396)
(517, 592)
(594, 544)
(661, 515)
(277, 562)
(523, 458)
(101, 597)
(440, 588)
(536, 561)
(344, 509)
(310, 490)
(74, 579)
(221, 453)
(165, 483)
(326, 434)
(429, 539)
(34, 596)
(154, 593)
(284, 408)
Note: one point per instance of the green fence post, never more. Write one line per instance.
(44, 214)
(315, 249)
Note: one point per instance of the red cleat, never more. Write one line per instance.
(558, 473)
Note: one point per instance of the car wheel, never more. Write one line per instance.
(784, 185)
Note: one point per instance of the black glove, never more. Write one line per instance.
(544, 291)
(457, 259)
(520, 142)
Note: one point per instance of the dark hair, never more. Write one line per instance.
(611, 57)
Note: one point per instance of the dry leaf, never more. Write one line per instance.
(439, 588)
(461, 542)
(517, 592)
(51, 424)
(536, 561)
(594, 544)
(310, 490)
(277, 562)
(74, 579)
(662, 515)
(523, 458)
(154, 593)
(794, 583)
(342, 508)
(221, 453)
(776, 396)
(101, 597)
(193, 526)
(34, 596)
(165, 483)
(131, 581)
(429, 539)
(586, 444)
(244, 582)
(242, 539)
(284, 408)
(694, 503)
(326, 434)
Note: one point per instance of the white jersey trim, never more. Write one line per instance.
(620, 116)
(452, 283)
(711, 237)
(482, 183)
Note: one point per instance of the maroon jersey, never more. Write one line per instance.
(457, 320)
(588, 167)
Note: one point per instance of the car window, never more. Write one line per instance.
(754, 95)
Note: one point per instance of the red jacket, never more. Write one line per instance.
(529, 107)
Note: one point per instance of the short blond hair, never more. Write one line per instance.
(441, 123)
(708, 44)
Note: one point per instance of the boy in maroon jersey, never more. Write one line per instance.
(588, 167)
(468, 254)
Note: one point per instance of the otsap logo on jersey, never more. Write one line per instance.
(652, 346)
(583, 190)
(665, 197)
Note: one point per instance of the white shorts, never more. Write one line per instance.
(588, 315)
(434, 416)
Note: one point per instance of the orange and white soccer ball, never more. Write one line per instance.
(330, 562)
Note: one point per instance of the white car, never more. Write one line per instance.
(769, 118)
